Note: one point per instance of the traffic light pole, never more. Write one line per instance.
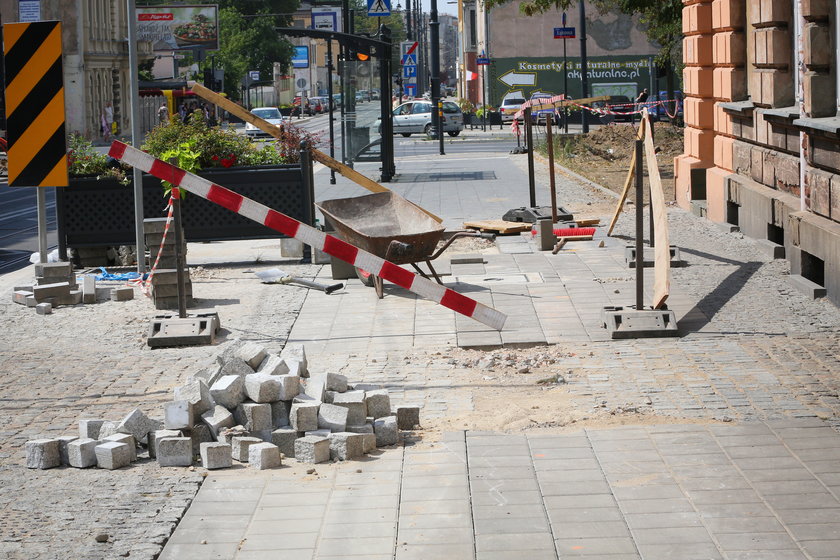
(434, 49)
(388, 167)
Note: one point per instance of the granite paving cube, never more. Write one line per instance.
(215, 455)
(228, 391)
(386, 431)
(262, 388)
(62, 447)
(236, 366)
(296, 368)
(127, 439)
(356, 411)
(263, 456)
(197, 393)
(199, 434)
(108, 428)
(312, 449)
(43, 308)
(368, 442)
(122, 294)
(335, 382)
(315, 388)
(178, 415)
(345, 446)
(328, 396)
(280, 413)
(43, 454)
(155, 437)
(304, 416)
(90, 428)
(284, 438)
(408, 417)
(239, 447)
(319, 433)
(81, 453)
(217, 418)
(274, 365)
(253, 416)
(332, 417)
(366, 428)
(252, 353)
(112, 455)
(175, 452)
(297, 354)
(262, 435)
(378, 403)
(289, 386)
(138, 425)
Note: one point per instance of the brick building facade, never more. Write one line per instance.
(762, 137)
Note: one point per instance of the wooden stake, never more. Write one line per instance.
(628, 183)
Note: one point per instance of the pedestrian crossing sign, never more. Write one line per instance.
(379, 8)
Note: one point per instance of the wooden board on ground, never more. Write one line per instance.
(583, 222)
(501, 227)
(277, 132)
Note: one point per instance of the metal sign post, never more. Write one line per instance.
(565, 33)
(483, 61)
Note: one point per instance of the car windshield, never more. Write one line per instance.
(513, 101)
(449, 107)
(269, 113)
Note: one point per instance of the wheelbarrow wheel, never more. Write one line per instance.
(365, 277)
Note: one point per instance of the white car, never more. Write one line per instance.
(416, 117)
(509, 107)
(270, 114)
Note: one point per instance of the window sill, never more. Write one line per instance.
(738, 108)
(827, 124)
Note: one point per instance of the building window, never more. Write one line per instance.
(473, 30)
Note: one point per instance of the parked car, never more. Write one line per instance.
(620, 104)
(538, 115)
(336, 100)
(365, 94)
(317, 105)
(416, 116)
(509, 107)
(374, 95)
(270, 114)
(359, 97)
(322, 104)
(305, 107)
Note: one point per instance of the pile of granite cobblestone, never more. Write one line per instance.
(249, 406)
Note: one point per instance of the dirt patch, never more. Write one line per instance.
(603, 156)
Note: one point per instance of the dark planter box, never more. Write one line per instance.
(100, 212)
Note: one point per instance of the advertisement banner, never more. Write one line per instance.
(178, 28)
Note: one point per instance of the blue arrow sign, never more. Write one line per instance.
(379, 8)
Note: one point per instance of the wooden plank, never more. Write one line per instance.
(498, 226)
(628, 184)
(582, 222)
(276, 132)
(662, 250)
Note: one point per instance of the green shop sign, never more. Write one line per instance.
(608, 75)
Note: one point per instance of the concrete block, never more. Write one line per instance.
(253, 416)
(304, 416)
(89, 428)
(53, 270)
(296, 353)
(226, 435)
(138, 425)
(228, 391)
(236, 366)
(197, 393)
(199, 434)
(175, 452)
(43, 454)
(312, 449)
(291, 248)
(155, 437)
(127, 439)
(280, 413)
(386, 431)
(74, 297)
(368, 443)
(108, 428)
(216, 456)
(289, 387)
(81, 453)
(284, 438)
(360, 428)
(89, 288)
(315, 387)
(178, 415)
(122, 294)
(378, 403)
(408, 417)
(240, 445)
(332, 417)
(43, 308)
(252, 353)
(262, 388)
(19, 296)
(273, 365)
(345, 446)
(218, 418)
(262, 456)
(43, 291)
(62, 447)
(112, 455)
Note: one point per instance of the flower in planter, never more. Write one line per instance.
(83, 159)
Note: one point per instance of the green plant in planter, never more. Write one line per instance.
(466, 105)
(83, 159)
(185, 157)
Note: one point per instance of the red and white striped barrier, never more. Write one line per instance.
(317, 239)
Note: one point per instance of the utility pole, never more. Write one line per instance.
(136, 135)
(434, 48)
(584, 67)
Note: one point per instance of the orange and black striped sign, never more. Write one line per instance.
(35, 104)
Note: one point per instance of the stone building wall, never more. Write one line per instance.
(754, 155)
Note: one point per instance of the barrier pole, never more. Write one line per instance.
(640, 226)
(529, 139)
(549, 138)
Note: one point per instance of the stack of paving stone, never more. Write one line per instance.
(249, 405)
(55, 284)
(164, 280)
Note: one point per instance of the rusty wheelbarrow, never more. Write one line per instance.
(392, 228)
